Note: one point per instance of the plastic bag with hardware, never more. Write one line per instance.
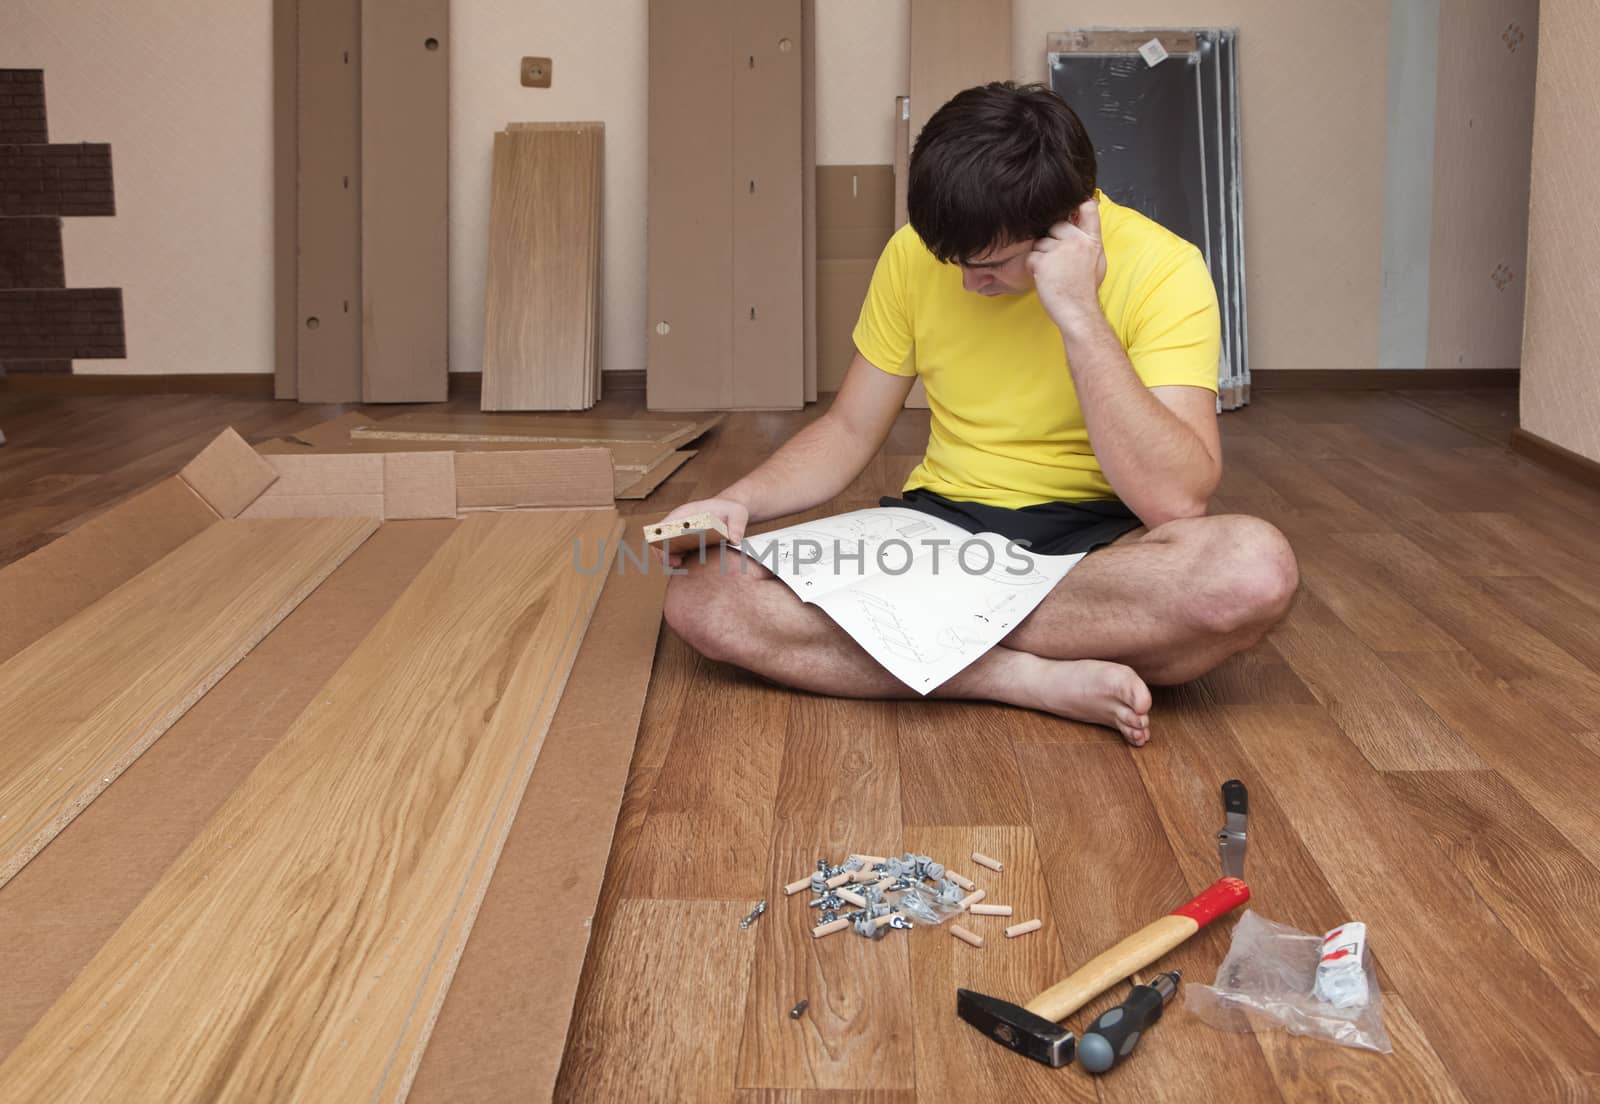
(1267, 982)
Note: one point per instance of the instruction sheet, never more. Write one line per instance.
(923, 597)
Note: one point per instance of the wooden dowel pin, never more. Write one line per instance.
(796, 886)
(991, 910)
(984, 860)
(829, 928)
(870, 859)
(966, 936)
(1023, 928)
(965, 883)
(972, 898)
(839, 879)
(855, 898)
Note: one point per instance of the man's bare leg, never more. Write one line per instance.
(1164, 607)
(736, 612)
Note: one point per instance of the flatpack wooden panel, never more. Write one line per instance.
(328, 210)
(955, 46)
(808, 183)
(85, 700)
(768, 369)
(689, 251)
(301, 946)
(587, 429)
(539, 295)
(285, 198)
(405, 256)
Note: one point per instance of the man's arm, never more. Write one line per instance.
(818, 462)
(1158, 447)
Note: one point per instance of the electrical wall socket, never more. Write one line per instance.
(535, 72)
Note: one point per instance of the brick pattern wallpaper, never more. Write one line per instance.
(44, 325)
(56, 180)
(22, 106)
(30, 253)
(56, 323)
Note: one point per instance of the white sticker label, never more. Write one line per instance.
(1153, 52)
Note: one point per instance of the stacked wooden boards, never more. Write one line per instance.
(542, 297)
(644, 451)
(481, 634)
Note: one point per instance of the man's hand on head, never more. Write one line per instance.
(1068, 265)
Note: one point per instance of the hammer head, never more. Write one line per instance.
(1014, 1026)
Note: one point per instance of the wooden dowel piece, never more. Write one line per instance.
(984, 860)
(870, 859)
(829, 928)
(965, 883)
(1023, 928)
(795, 887)
(966, 936)
(991, 910)
(880, 921)
(854, 898)
(972, 898)
(839, 879)
(861, 877)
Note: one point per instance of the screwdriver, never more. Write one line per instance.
(1113, 1036)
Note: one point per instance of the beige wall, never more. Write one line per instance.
(182, 89)
(1561, 346)
(183, 94)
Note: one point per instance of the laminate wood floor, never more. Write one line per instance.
(1421, 739)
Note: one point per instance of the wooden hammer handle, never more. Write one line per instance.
(1137, 951)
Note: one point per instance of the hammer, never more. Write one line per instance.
(1033, 1029)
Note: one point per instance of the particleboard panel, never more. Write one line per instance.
(328, 213)
(45, 588)
(539, 297)
(808, 184)
(285, 199)
(504, 1025)
(301, 946)
(641, 486)
(726, 257)
(955, 46)
(85, 700)
(768, 368)
(574, 430)
(1483, 119)
(405, 93)
(689, 246)
(565, 478)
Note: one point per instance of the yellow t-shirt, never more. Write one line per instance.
(1007, 427)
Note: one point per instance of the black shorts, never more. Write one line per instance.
(1050, 528)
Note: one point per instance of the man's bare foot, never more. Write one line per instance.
(1095, 692)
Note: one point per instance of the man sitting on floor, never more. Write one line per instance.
(1069, 348)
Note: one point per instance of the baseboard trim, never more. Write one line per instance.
(1381, 379)
(253, 385)
(1555, 457)
(250, 384)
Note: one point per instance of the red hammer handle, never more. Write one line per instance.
(1139, 950)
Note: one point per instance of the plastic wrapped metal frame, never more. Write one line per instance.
(1167, 139)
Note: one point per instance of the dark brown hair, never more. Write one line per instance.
(999, 163)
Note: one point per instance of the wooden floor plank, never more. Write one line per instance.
(1572, 625)
(1383, 621)
(838, 793)
(711, 807)
(303, 942)
(956, 765)
(136, 829)
(1258, 676)
(86, 699)
(1383, 717)
(1542, 759)
(668, 998)
(1112, 870)
(953, 1061)
(1534, 879)
(1427, 925)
